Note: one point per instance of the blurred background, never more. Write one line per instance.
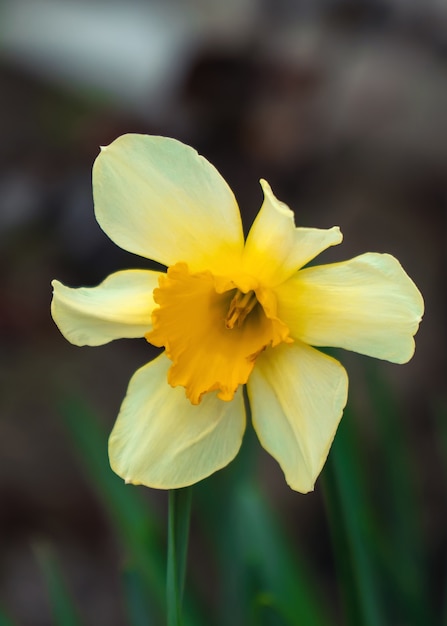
(341, 105)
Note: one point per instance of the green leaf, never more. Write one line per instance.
(402, 545)
(5, 620)
(351, 529)
(135, 523)
(140, 610)
(261, 579)
(65, 612)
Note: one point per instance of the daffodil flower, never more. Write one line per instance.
(228, 313)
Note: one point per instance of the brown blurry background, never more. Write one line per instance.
(340, 105)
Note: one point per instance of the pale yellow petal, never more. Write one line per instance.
(120, 307)
(297, 395)
(158, 198)
(275, 248)
(367, 304)
(161, 440)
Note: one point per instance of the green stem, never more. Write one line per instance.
(178, 533)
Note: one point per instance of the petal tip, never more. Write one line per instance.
(338, 233)
(265, 185)
(301, 487)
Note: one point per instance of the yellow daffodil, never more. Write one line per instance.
(228, 313)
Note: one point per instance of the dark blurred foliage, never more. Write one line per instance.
(341, 106)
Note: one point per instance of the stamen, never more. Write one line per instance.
(240, 306)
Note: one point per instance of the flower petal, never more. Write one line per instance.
(120, 307)
(158, 198)
(161, 440)
(367, 304)
(275, 248)
(297, 395)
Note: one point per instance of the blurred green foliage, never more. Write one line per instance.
(5, 620)
(261, 578)
(62, 604)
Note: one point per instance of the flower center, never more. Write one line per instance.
(240, 306)
(212, 331)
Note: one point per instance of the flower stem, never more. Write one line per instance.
(178, 533)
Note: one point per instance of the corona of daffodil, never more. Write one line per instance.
(228, 313)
